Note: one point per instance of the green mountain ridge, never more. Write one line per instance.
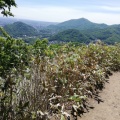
(19, 29)
(109, 35)
(63, 32)
(36, 24)
(80, 24)
(75, 30)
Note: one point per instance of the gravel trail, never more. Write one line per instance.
(109, 109)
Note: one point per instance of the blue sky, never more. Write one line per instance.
(99, 11)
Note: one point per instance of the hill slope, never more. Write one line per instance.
(70, 35)
(90, 32)
(109, 35)
(80, 24)
(36, 24)
(19, 29)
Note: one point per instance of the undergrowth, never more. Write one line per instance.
(41, 80)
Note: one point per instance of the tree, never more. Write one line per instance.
(5, 6)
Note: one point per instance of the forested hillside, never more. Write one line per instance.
(90, 31)
(80, 24)
(76, 30)
(19, 29)
(70, 35)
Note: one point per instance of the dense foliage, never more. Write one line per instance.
(41, 80)
(5, 6)
(109, 35)
(70, 35)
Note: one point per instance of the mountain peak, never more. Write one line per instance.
(73, 22)
(19, 23)
(79, 24)
(83, 18)
(20, 29)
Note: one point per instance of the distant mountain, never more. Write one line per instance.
(85, 31)
(79, 24)
(36, 24)
(75, 30)
(6, 21)
(19, 29)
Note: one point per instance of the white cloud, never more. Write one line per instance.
(114, 9)
(44, 13)
(47, 13)
(104, 18)
(60, 14)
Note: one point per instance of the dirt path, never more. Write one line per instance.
(109, 109)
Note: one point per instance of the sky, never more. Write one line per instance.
(98, 11)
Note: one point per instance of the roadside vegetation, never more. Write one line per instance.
(43, 80)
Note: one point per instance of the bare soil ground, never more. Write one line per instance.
(109, 109)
